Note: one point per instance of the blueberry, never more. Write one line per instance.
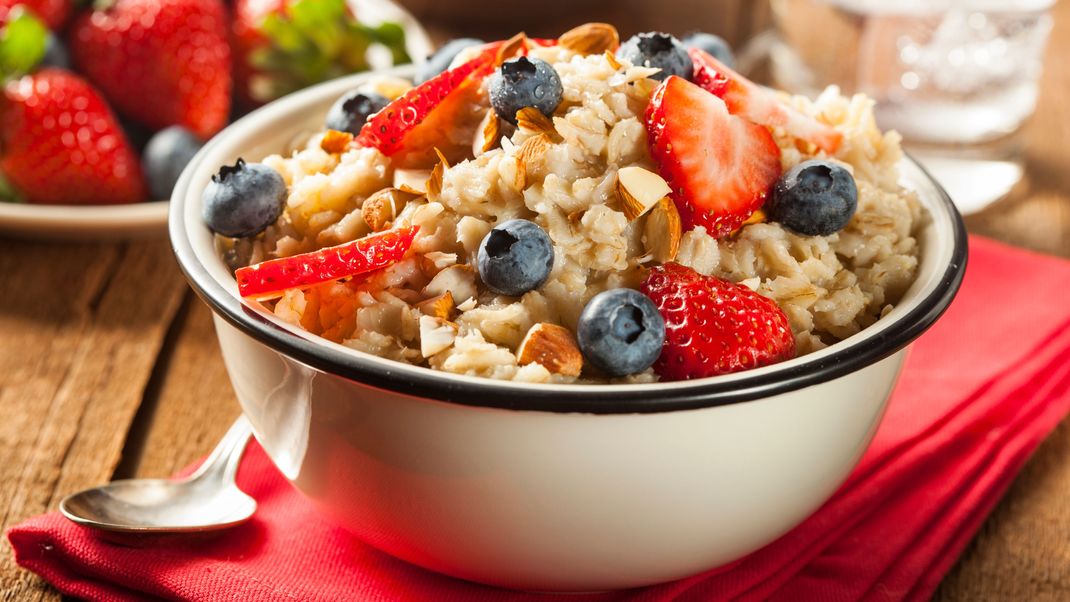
(621, 331)
(243, 200)
(166, 155)
(661, 50)
(441, 59)
(712, 45)
(515, 257)
(56, 54)
(525, 82)
(349, 112)
(815, 197)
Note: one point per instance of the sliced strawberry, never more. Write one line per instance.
(747, 99)
(713, 326)
(271, 278)
(412, 126)
(720, 167)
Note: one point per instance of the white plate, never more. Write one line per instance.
(149, 219)
(24, 220)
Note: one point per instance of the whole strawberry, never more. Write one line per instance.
(53, 13)
(60, 144)
(159, 62)
(713, 326)
(285, 45)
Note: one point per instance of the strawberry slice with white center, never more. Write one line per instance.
(760, 105)
(433, 115)
(720, 167)
(271, 278)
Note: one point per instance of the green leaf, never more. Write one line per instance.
(22, 43)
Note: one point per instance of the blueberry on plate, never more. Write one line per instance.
(815, 197)
(166, 155)
(515, 257)
(713, 45)
(441, 59)
(349, 112)
(656, 49)
(525, 82)
(621, 332)
(243, 199)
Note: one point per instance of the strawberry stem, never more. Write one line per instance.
(22, 43)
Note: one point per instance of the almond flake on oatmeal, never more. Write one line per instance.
(591, 38)
(532, 120)
(468, 304)
(412, 181)
(612, 60)
(380, 209)
(335, 142)
(553, 347)
(434, 182)
(662, 231)
(511, 47)
(433, 262)
(639, 190)
(533, 150)
(436, 335)
(459, 280)
(488, 134)
(439, 307)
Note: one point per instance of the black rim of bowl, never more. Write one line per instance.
(619, 399)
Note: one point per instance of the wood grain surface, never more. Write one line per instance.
(109, 365)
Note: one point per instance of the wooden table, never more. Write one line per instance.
(109, 366)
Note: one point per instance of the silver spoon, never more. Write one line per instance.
(206, 500)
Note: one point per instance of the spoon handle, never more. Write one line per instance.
(224, 460)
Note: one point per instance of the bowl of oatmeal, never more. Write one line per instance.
(617, 332)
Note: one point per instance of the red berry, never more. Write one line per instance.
(412, 126)
(61, 144)
(720, 167)
(53, 13)
(376, 251)
(760, 105)
(159, 62)
(713, 326)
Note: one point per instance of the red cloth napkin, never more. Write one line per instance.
(980, 391)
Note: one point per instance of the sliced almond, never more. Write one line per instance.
(639, 190)
(552, 346)
(591, 38)
(434, 262)
(436, 335)
(488, 134)
(379, 210)
(434, 182)
(412, 181)
(662, 231)
(532, 120)
(459, 280)
(439, 307)
(335, 142)
(533, 150)
(611, 58)
(511, 47)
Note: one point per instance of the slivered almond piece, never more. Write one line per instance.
(436, 335)
(511, 47)
(379, 210)
(434, 182)
(532, 120)
(639, 190)
(662, 231)
(335, 142)
(412, 181)
(488, 134)
(439, 307)
(612, 59)
(533, 149)
(591, 38)
(552, 346)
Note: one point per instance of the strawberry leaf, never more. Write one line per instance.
(22, 43)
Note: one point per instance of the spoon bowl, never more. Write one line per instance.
(207, 500)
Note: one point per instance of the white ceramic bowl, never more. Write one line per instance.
(551, 487)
